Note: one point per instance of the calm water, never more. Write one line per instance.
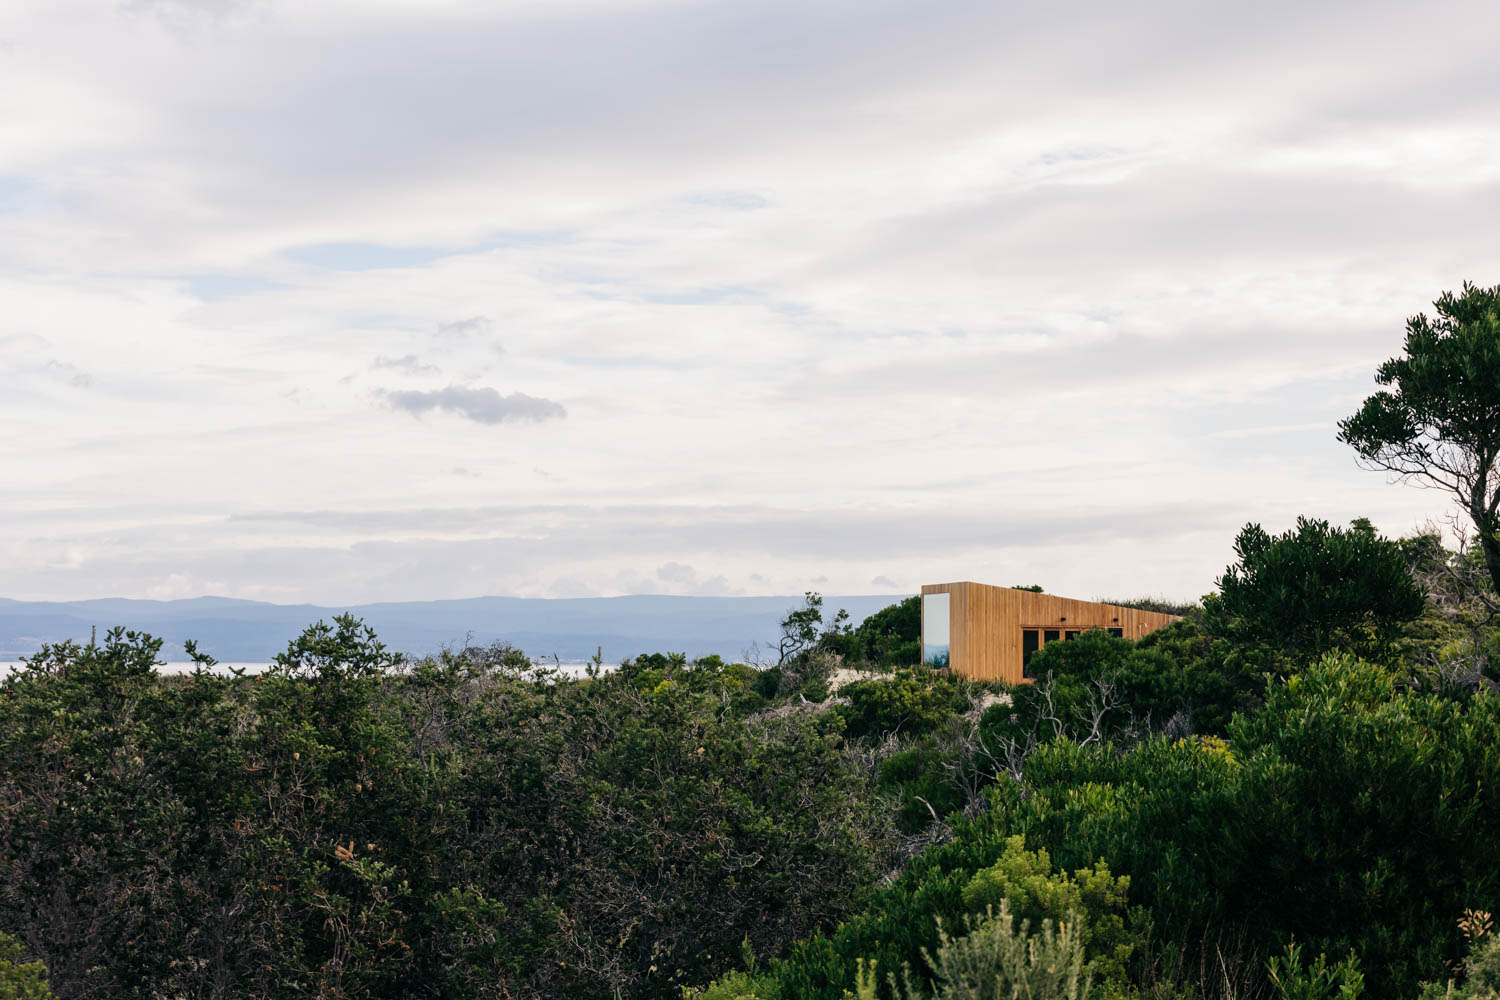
(166, 668)
(575, 669)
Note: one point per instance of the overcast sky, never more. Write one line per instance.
(352, 300)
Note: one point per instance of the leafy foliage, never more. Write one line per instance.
(1302, 826)
(912, 702)
(1439, 422)
(1480, 969)
(1295, 596)
(803, 630)
(998, 960)
(891, 637)
(1090, 900)
(353, 824)
(20, 979)
(1174, 679)
(348, 825)
(1295, 979)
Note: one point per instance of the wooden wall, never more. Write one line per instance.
(986, 622)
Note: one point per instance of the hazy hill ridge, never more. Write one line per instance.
(236, 630)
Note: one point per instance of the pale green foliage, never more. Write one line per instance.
(737, 986)
(1316, 980)
(999, 959)
(751, 984)
(19, 979)
(865, 983)
(1481, 980)
(1025, 882)
(1483, 968)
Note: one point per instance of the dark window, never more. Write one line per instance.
(1029, 645)
(1051, 635)
(1118, 633)
(1071, 633)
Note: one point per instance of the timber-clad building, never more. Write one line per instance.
(990, 633)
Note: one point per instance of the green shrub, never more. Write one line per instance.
(921, 778)
(815, 689)
(1090, 898)
(1173, 679)
(1302, 827)
(997, 960)
(20, 979)
(1294, 979)
(349, 824)
(737, 986)
(911, 703)
(1481, 967)
(1313, 590)
(749, 984)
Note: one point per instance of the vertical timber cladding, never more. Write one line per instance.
(986, 622)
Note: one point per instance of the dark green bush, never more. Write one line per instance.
(348, 825)
(1347, 813)
(921, 778)
(1313, 590)
(911, 702)
(1176, 679)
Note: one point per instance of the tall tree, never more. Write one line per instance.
(1438, 423)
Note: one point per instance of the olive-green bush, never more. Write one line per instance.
(352, 825)
(1091, 900)
(1000, 957)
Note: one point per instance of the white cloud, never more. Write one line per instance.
(673, 572)
(861, 297)
(482, 405)
(465, 327)
(410, 364)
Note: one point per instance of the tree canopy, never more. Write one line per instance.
(1438, 422)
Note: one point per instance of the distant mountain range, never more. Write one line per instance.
(570, 628)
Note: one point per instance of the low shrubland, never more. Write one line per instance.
(1348, 814)
(1280, 795)
(349, 825)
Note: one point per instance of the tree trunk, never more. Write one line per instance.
(1489, 544)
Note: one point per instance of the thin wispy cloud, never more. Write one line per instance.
(482, 405)
(68, 373)
(465, 327)
(407, 363)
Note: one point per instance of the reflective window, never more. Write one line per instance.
(1071, 633)
(1118, 633)
(1031, 641)
(1051, 635)
(935, 630)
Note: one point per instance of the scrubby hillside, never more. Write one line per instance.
(1285, 793)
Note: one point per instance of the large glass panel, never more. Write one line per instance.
(1051, 635)
(935, 629)
(1031, 641)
